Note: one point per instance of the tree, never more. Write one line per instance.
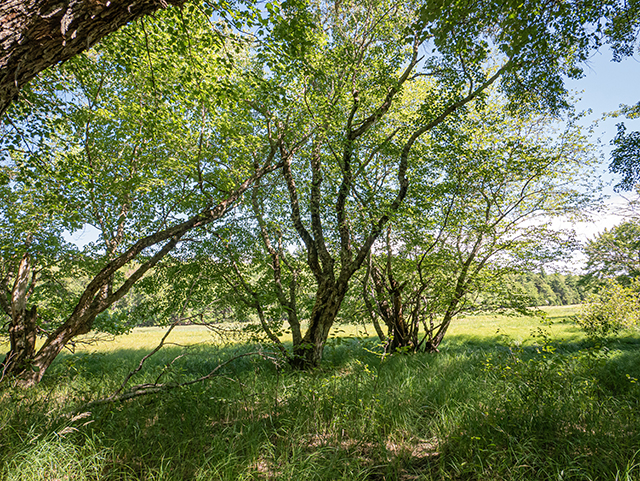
(625, 157)
(347, 88)
(496, 180)
(37, 34)
(113, 141)
(614, 308)
(615, 253)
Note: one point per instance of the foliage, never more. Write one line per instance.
(549, 289)
(479, 212)
(163, 127)
(365, 106)
(625, 157)
(613, 308)
(615, 253)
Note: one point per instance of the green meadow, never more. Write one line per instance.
(506, 398)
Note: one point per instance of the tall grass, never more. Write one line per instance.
(489, 406)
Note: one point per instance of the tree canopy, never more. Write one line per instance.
(625, 158)
(615, 253)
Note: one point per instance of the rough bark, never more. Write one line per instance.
(329, 297)
(22, 340)
(36, 34)
(22, 327)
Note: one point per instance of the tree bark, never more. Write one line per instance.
(22, 327)
(36, 34)
(329, 297)
(22, 341)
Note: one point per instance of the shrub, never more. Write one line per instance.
(613, 308)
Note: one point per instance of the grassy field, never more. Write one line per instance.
(496, 403)
(467, 329)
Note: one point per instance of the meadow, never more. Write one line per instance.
(507, 398)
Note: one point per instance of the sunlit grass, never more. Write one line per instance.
(478, 327)
(556, 319)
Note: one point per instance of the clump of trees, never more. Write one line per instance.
(482, 215)
(615, 253)
(551, 289)
(625, 157)
(275, 157)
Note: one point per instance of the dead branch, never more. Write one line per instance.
(145, 389)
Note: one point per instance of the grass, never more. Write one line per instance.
(496, 403)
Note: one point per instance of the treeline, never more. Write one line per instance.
(551, 289)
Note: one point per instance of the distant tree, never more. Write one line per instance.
(563, 291)
(545, 290)
(615, 253)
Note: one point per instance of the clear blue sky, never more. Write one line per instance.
(605, 86)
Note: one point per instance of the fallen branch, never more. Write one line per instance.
(142, 361)
(144, 389)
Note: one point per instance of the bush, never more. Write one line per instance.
(613, 308)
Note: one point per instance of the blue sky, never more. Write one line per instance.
(605, 86)
(608, 84)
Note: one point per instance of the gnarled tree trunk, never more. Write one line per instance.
(329, 296)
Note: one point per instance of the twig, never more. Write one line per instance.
(144, 389)
(142, 361)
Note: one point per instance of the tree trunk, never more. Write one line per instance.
(329, 296)
(54, 344)
(35, 34)
(432, 344)
(22, 341)
(23, 328)
(452, 309)
(400, 332)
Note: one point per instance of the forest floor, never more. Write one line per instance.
(507, 398)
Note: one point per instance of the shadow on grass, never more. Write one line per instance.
(480, 409)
